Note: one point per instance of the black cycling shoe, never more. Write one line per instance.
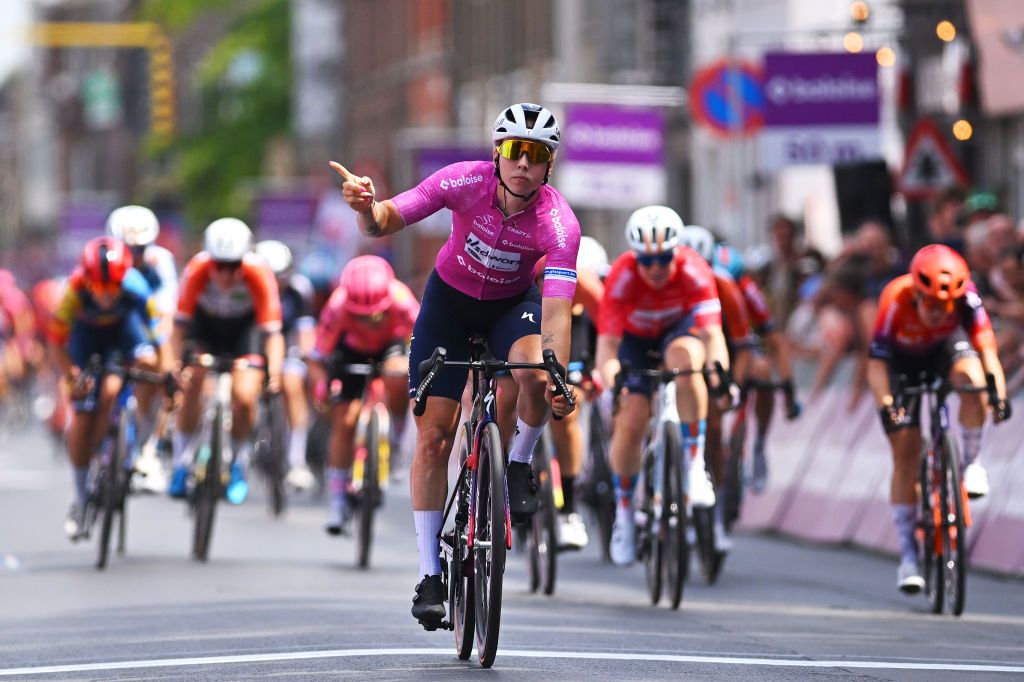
(522, 491)
(428, 604)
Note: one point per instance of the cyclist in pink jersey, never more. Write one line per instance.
(505, 218)
(368, 319)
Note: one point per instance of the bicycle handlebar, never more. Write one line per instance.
(98, 367)
(429, 368)
(929, 383)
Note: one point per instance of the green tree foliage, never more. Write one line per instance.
(244, 95)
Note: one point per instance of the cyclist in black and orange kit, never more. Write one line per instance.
(932, 320)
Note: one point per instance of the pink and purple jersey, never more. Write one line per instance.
(338, 327)
(488, 256)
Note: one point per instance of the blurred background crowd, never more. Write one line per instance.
(826, 139)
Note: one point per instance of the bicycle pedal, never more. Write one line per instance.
(432, 625)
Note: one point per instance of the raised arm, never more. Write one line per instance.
(375, 218)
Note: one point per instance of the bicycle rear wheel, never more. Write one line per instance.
(954, 537)
(460, 572)
(489, 540)
(602, 492)
(369, 495)
(677, 552)
(542, 539)
(208, 489)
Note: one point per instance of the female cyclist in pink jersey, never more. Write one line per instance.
(505, 217)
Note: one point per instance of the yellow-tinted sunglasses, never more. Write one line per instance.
(536, 152)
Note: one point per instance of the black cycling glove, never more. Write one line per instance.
(1002, 410)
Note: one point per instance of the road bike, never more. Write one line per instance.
(371, 468)
(945, 515)
(473, 550)
(112, 469)
(595, 482)
(210, 477)
(661, 511)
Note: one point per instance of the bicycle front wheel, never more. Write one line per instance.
(677, 552)
(930, 537)
(109, 485)
(490, 529)
(954, 539)
(369, 495)
(208, 489)
(734, 473)
(650, 535)
(542, 539)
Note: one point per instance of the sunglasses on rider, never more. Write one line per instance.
(536, 152)
(646, 260)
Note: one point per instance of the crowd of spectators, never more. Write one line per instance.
(828, 306)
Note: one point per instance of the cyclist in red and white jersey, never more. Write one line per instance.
(505, 217)
(368, 319)
(932, 320)
(660, 309)
(229, 305)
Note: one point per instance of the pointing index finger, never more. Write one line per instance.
(342, 171)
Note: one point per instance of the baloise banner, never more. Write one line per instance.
(820, 108)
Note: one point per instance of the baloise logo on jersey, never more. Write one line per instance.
(488, 256)
(461, 181)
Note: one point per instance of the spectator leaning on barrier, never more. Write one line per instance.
(847, 299)
(1003, 292)
(780, 278)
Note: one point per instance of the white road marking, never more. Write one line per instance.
(509, 653)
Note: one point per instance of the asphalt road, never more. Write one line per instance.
(280, 599)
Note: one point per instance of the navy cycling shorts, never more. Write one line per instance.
(641, 353)
(448, 317)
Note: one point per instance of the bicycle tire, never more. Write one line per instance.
(733, 488)
(603, 493)
(460, 573)
(490, 527)
(108, 488)
(542, 539)
(370, 491)
(710, 559)
(930, 562)
(208, 491)
(650, 544)
(125, 481)
(955, 531)
(273, 456)
(677, 552)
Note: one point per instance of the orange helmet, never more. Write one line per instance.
(940, 272)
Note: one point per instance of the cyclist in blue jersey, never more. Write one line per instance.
(108, 309)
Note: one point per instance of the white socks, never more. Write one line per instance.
(297, 447)
(524, 442)
(428, 525)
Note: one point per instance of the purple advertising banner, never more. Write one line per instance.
(820, 89)
(602, 133)
(287, 216)
(432, 159)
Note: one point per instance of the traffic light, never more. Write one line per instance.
(162, 108)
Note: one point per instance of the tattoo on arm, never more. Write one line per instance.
(373, 228)
(547, 339)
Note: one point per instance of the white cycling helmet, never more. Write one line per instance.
(527, 121)
(276, 253)
(592, 257)
(134, 225)
(653, 229)
(700, 240)
(227, 239)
